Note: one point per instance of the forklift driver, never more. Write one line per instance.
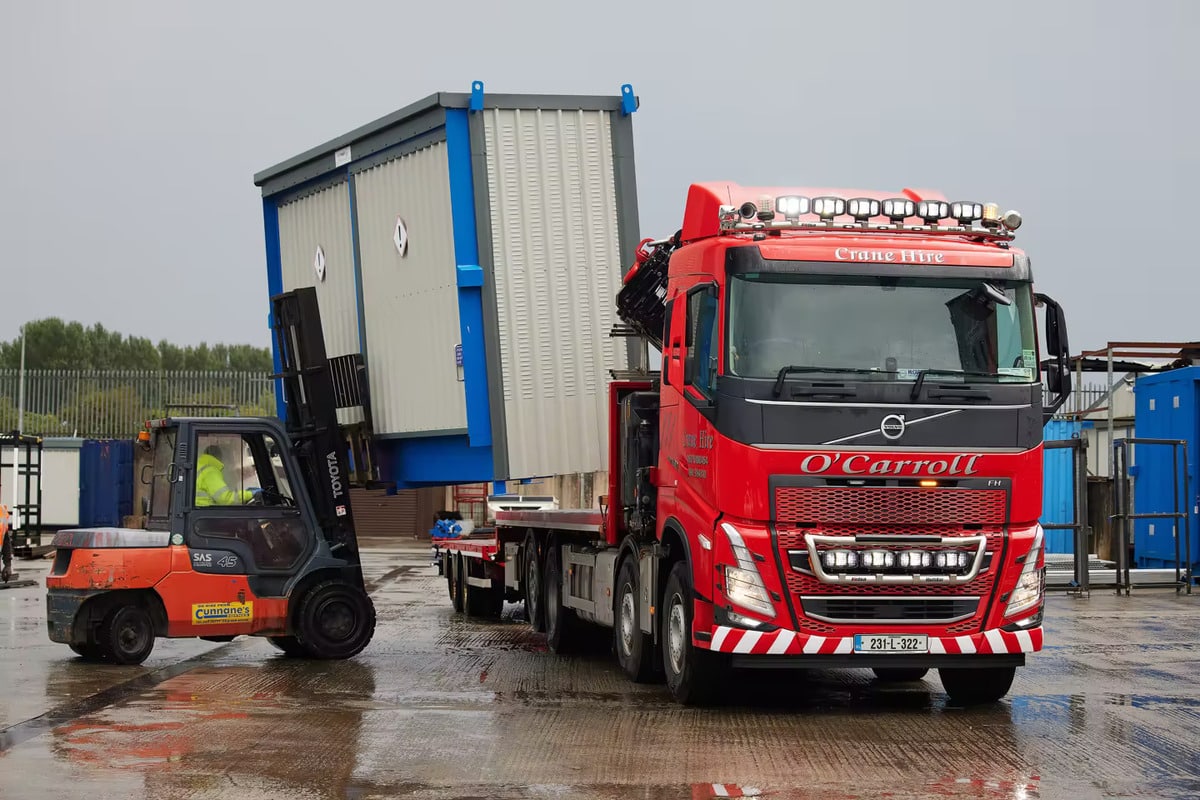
(211, 485)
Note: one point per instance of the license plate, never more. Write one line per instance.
(891, 643)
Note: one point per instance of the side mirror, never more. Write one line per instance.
(1058, 366)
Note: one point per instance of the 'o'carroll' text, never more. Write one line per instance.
(862, 464)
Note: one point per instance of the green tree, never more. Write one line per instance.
(52, 343)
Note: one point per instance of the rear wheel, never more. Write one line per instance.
(969, 687)
(335, 620)
(531, 569)
(635, 650)
(899, 674)
(692, 674)
(453, 577)
(125, 635)
(562, 626)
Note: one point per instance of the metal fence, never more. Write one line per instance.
(1088, 396)
(117, 403)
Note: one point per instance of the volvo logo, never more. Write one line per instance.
(892, 426)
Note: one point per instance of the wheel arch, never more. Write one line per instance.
(93, 610)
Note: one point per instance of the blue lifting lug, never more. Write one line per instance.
(476, 96)
(629, 101)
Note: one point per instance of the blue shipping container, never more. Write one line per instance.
(1058, 485)
(105, 482)
(1166, 407)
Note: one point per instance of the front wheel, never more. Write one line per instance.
(692, 674)
(969, 687)
(336, 620)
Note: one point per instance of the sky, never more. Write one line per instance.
(131, 131)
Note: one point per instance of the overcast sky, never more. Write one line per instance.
(131, 131)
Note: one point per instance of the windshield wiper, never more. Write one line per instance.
(920, 381)
(785, 371)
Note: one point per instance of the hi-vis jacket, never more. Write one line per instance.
(211, 489)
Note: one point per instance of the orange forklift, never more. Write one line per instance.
(249, 529)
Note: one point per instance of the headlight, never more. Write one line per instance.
(743, 583)
(1029, 588)
(745, 588)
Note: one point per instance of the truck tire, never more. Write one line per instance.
(452, 579)
(531, 580)
(899, 674)
(970, 687)
(692, 674)
(335, 620)
(562, 626)
(635, 649)
(125, 635)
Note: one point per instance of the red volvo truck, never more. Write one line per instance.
(839, 463)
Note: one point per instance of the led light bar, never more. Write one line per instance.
(784, 212)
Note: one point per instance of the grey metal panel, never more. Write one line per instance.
(323, 219)
(556, 247)
(411, 303)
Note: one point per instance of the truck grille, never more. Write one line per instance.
(889, 505)
(888, 609)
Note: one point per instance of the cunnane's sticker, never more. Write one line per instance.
(221, 613)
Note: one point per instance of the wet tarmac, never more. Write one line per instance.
(440, 707)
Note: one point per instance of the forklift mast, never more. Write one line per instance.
(311, 416)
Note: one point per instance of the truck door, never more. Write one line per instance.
(243, 515)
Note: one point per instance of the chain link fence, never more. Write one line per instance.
(117, 403)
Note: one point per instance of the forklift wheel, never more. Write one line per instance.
(126, 636)
(335, 620)
(290, 645)
(88, 652)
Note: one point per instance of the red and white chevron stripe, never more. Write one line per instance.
(791, 643)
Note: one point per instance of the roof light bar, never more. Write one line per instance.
(784, 212)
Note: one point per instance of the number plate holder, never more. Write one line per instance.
(891, 643)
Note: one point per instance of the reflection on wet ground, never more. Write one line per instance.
(441, 707)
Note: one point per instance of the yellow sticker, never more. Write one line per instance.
(221, 613)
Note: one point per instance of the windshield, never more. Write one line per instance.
(895, 327)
